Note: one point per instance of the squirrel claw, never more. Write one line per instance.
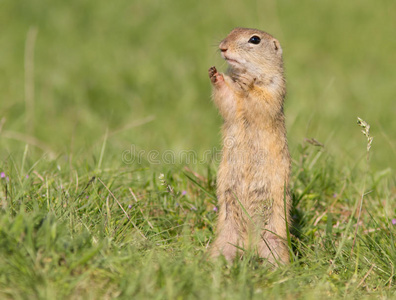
(215, 76)
(244, 81)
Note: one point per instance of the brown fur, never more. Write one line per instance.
(255, 166)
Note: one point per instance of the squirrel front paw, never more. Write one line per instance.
(244, 81)
(215, 77)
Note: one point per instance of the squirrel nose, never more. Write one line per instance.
(223, 47)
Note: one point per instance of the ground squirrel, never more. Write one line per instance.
(253, 176)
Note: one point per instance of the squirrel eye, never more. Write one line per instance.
(255, 40)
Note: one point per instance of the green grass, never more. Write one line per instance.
(99, 98)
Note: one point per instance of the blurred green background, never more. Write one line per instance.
(72, 70)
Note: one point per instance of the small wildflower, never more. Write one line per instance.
(8, 178)
(2, 175)
(27, 176)
(215, 209)
(177, 204)
(335, 195)
(184, 193)
(87, 197)
(394, 221)
(129, 206)
(161, 179)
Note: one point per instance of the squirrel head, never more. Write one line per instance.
(252, 51)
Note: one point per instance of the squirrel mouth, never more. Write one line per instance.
(230, 60)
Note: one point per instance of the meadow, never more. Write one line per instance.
(109, 147)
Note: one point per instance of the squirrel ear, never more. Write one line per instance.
(277, 46)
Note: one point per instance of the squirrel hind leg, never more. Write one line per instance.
(228, 250)
(227, 243)
(273, 248)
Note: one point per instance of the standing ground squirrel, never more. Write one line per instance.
(253, 176)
